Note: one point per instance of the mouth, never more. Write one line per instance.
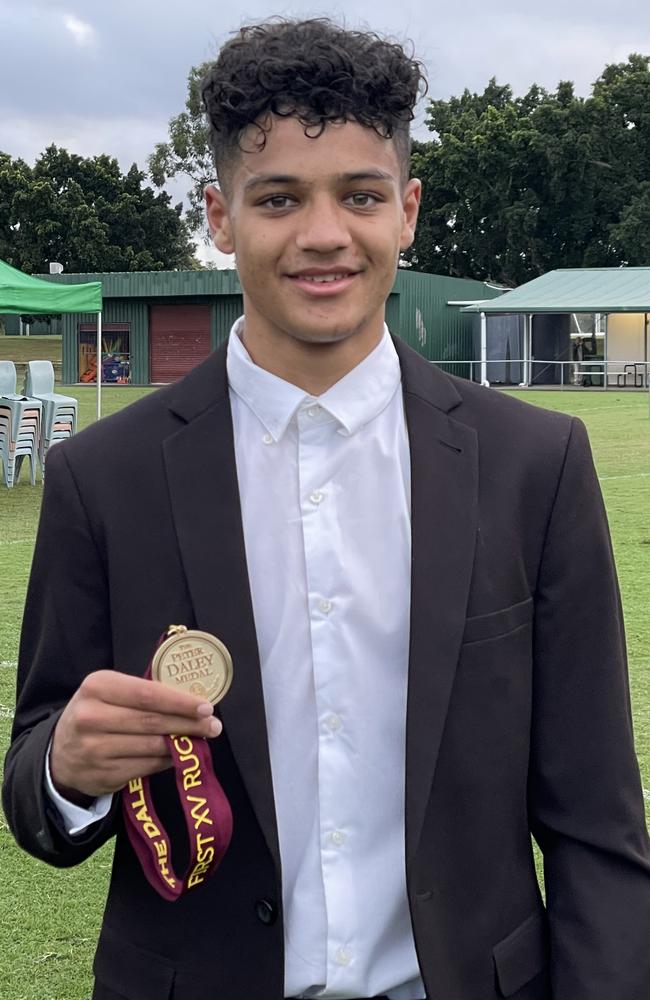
(321, 282)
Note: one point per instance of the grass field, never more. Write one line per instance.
(49, 920)
(20, 350)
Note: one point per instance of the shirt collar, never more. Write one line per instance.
(353, 401)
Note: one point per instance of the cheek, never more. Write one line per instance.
(256, 274)
(258, 251)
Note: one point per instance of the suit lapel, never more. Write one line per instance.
(202, 478)
(444, 499)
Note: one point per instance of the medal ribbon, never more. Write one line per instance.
(207, 812)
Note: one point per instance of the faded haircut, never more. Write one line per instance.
(315, 71)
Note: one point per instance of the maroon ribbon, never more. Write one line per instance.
(207, 812)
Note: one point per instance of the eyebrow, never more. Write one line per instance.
(260, 180)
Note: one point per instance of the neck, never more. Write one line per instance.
(311, 366)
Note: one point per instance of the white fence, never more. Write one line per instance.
(609, 374)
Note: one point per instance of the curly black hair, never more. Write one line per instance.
(317, 72)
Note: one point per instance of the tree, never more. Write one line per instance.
(87, 214)
(12, 179)
(187, 151)
(514, 187)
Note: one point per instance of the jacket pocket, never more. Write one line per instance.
(498, 623)
(521, 955)
(133, 972)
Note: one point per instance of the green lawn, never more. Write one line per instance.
(23, 349)
(20, 350)
(49, 920)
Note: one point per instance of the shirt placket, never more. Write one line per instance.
(318, 446)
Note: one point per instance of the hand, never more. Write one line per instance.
(113, 728)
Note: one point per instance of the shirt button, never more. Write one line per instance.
(343, 956)
(338, 838)
(313, 411)
(268, 439)
(325, 606)
(333, 722)
(317, 497)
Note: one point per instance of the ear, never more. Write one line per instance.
(410, 207)
(216, 210)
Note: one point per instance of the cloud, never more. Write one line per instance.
(99, 77)
(83, 33)
(128, 139)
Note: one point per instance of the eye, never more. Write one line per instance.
(363, 199)
(277, 201)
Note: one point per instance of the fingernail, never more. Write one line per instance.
(214, 727)
(204, 709)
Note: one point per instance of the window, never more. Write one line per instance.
(116, 354)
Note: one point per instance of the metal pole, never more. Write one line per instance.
(606, 353)
(526, 371)
(646, 373)
(99, 365)
(484, 378)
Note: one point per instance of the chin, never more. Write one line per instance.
(330, 332)
(323, 337)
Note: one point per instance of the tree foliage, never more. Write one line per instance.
(516, 186)
(187, 152)
(87, 214)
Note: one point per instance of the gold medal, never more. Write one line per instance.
(193, 661)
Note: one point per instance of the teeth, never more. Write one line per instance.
(319, 278)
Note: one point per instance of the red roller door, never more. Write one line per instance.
(179, 337)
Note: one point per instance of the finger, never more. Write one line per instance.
(100, 717)
(113, 748)
(116, 688)
(125, 771)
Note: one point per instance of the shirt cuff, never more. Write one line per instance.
(76, 819)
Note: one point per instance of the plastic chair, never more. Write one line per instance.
(20, 434)
(39, 378)
(7, 378)
(57, 408)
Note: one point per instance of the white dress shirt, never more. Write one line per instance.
(325, 495)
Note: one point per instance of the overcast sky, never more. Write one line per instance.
(105, 77)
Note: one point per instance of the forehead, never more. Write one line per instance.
(342, 148)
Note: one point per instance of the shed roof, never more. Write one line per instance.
(225, 281)
(577, 290)
(155, 284)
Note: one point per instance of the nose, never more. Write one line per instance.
(323, 226)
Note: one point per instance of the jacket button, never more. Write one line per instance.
(266, 911)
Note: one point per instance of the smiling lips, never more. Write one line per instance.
(320, 282)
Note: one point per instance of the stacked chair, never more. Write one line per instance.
(20, 427)
(8, 380)
(59, 412)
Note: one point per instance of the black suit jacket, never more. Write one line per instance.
(518, 711)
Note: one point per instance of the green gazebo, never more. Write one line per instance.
(21, 293)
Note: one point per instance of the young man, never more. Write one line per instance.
(389, 555)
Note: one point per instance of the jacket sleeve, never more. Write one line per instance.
(585, 797)
(65, 635)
